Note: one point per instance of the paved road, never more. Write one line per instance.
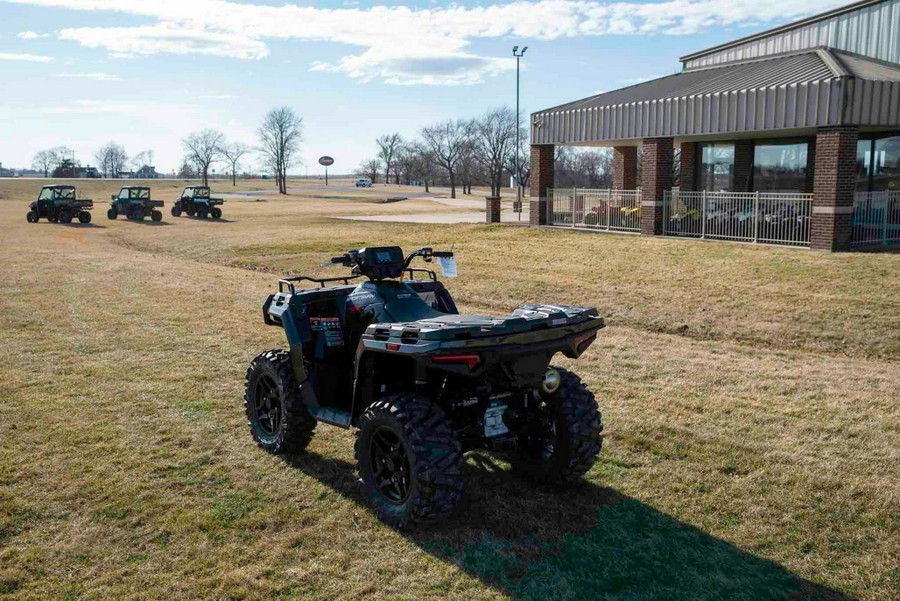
(449, 218)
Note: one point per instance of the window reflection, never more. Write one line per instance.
(780, 166)
(886, 165)
(717, 167)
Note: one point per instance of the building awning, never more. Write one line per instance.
(815, 88)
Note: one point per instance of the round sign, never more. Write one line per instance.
(326, 160)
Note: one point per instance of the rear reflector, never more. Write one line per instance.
(582, 342)
(470, 361)
(393, 347)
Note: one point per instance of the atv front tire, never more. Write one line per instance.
(176, 211)
(409, 460)
(562, 443)
(111, 214)
(32, 217)
(278, 418)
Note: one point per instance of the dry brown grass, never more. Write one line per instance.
(750, 398)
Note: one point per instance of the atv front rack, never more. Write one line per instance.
(287, 284)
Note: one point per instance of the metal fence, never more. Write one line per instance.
(876, 218)
(771, 218)
(610, 210)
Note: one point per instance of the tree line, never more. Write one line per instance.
(459, 153)
(280, 136)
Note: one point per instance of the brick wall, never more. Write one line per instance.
(743, 166)
(656, 178)
(624, 168)
(834, 189)
(689, 166)
(540, 179)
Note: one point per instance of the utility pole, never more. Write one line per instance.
(518, 173)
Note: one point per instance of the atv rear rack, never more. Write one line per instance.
(287, 284)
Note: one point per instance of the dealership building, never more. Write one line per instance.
(790, 136)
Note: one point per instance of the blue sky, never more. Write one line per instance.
(145, 73)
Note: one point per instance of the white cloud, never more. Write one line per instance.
(402, 45)
(165, 38)
(31, 35)
(31, 58)
(92, 76)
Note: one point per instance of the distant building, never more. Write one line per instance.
(87, 172)
(6, 172)
(146, 172)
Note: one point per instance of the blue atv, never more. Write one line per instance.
(384, 350)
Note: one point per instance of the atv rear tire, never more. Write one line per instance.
(278, 418)
(111, 214)
(156, 215)
(65, 217)
(216, 213)
(32, 217)
(569, 445)
(202, 212)
(409, 460)
(84, 217)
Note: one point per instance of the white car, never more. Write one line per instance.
(364, 182)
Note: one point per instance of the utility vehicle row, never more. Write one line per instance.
(60, 203)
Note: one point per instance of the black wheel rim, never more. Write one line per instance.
(267, 405)
(390, 465)
(539, 439)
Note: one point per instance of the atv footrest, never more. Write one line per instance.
(335, 417)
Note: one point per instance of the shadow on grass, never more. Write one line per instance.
(580, 542)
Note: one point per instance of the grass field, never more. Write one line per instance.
(751, 400)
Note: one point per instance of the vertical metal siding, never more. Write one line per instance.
(871, 31)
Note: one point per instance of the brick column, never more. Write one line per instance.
(540, 180)
(656, 180)
(810, 168)
(624, 168)
(689, 167)
(492, 212)
(743, 166)
(834, 189)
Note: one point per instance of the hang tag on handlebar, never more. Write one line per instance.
(448, 266)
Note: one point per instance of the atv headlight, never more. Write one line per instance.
(551, 381)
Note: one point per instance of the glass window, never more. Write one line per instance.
(124, 193)
(780, 166)
(201, 192)
(144, 193)
(46, 194)
(717, 167)
(886, 165)
(863, 165)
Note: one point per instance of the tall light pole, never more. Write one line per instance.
(518, 173)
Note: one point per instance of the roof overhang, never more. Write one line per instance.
(810, 89)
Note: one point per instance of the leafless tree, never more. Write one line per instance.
(369, 168)
(388, 147)
(447, 141)
(186, 171)
(203, 148)
(111, 159)
(142, 159)
(233, 153)
(280, 136)
(45, 160)
(493, 137)
(421, 164)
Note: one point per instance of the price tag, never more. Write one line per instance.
(448, 266)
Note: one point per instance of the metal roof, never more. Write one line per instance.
(870, 28)
(806, 89)
(782, 28)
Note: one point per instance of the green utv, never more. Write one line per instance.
(421, 383)
(134, 202)
(195, 201)
(60, 204)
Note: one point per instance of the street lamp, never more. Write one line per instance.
(518, 55)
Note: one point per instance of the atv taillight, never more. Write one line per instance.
(582, 342)
(470, 360)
